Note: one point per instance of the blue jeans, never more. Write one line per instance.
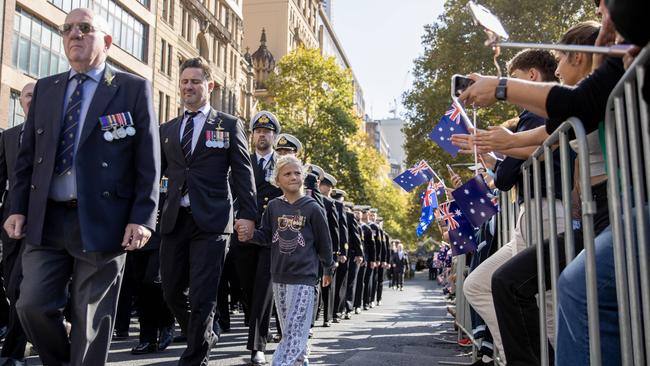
(573, 326)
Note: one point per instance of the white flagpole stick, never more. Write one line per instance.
(475, 149)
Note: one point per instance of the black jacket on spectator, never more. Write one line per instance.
(508, 171)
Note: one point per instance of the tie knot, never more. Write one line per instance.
(81, 78)
(191, 114)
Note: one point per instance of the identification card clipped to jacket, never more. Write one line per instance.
(117, 126)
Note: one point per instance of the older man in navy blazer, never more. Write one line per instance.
(85, 189)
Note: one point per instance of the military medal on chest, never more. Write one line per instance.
(121, 122)
(130, 130)
(107, 126)
(217, 138)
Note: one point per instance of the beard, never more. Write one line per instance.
(262, 145)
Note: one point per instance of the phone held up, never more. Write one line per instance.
(459, 83)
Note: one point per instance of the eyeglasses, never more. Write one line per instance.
(83, 27)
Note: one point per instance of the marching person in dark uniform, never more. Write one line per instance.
(341, 277)
(87, 180)
(393, 278)
(338, 230)
(287, 144)
(15, 340)
(400, 263)
(355, 258)
(156, 320)
(252, 261)
(201, 148)
(358, 298)
(377, 238)
(383, 266)
(370, 249)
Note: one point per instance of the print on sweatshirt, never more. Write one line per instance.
(287, 235)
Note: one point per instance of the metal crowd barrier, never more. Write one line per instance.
(628, 165)
(545, 152)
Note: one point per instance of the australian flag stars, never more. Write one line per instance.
(475, 201)
(462, 234)
(451, 123)
(414, 176)
(429, 204)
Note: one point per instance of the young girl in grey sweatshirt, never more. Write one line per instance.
(295, 228)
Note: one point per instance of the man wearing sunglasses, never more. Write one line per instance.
(81, 198)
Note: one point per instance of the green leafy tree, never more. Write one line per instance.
(454, 45)
(313, 98)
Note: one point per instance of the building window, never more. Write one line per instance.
(37, 48)
(168, 11)
(170, 53)
(167, 106)
(163, 55)
(16, 115)
(129, 33)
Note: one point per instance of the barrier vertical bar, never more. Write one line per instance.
(615, 214)
(539, 237)
(630, 245)
(569, 245)
(552, 217)
(527, 229)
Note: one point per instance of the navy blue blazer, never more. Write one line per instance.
(117, 181)
(208, 174)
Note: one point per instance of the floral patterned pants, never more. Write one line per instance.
(295, 305)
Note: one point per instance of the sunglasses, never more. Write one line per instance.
(83, 27)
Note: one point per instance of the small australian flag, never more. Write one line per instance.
(414, 176)
(463, 235)
(475, 201)
(451, 123)
(429, 204)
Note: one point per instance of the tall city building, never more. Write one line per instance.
(392, 131)
(150, 38)
(274, 28)
(377, 138)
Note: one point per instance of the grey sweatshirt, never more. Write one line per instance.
(298, 236)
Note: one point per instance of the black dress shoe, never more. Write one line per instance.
(121, 335)
(357, 310)
(165, 338)
(143, 348)
(327, 324)
(336, 320)
(347, 316)
(257, 358)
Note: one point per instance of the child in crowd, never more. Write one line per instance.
(295, 228)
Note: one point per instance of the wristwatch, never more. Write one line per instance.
(501, 92)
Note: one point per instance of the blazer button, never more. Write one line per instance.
(106, 194)
(40, 159)
(33, 187)
(264, 207)
(104, 164)
(39, 131)
(266, 199)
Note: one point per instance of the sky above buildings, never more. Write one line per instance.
(381, 39)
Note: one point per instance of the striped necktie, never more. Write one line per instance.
(65, 150)
(188, 131)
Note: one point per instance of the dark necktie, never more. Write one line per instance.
(188, 131)
(260, 165)
(65, 150)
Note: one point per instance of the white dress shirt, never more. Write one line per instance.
(199, 122)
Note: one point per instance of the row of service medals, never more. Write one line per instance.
(117, 126)
(217, 138)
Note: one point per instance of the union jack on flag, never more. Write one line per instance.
(414, 176)
(439, 188)
(454, 113)
(448, 216)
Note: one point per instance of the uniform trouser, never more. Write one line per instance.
(253, 265)
(15, 340)
(125, 301)
(153, 312)
(359, 286)
(46, 286)
(327, 299)
(353, 270)
(367, 285)
(380, 282)
(341, 287)
(228, 289)
(478, 285)
(190, 257)
(373, 284)
(399, 275)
